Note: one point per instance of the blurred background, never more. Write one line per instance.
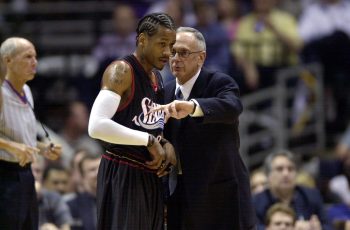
(291, 59)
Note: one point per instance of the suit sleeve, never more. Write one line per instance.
(220, 102)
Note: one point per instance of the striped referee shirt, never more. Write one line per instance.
(17, 119)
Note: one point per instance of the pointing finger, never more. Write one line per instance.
(158, 108)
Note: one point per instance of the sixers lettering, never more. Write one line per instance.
(153, 120)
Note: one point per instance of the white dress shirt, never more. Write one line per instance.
(186, 91)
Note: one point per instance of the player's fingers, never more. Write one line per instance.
(153, 163)
(162, 168)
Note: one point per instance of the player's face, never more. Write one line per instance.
(187, 58)
(158, 47)
(23, 64)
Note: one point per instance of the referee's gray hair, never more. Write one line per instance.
(283, 152)
(198, 35)
(10, 46)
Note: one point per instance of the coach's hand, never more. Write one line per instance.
(176, 109)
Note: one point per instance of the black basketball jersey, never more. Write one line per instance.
(133, 114)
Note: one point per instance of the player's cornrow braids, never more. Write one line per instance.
(149, 24)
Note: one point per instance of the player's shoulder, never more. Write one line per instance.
(120, 67)
(117, 76)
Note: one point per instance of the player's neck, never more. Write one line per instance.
(142, 60)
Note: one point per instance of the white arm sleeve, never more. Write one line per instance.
(102, 127)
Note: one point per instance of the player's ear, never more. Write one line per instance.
(142, 40)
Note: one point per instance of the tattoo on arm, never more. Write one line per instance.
(117, 77)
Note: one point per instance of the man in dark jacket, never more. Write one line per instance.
(212, 183)
(307, 203)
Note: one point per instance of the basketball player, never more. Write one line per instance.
(18, 144)
(129, 190)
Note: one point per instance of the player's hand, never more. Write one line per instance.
(157, 154)
(52, 151)
(176, 109)
(23, 153)
(170, 159)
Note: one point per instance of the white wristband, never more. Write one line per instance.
(102, 127)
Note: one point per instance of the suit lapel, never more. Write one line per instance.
(199, 85)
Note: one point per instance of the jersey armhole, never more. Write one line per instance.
(131, 96)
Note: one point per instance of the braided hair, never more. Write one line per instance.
(150, 23)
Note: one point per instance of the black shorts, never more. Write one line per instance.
(18, 201)
(128, 196)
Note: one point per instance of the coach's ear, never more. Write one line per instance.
(202, 55)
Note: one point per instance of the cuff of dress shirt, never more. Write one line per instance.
(198, 112)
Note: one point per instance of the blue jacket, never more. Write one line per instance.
(305, 203)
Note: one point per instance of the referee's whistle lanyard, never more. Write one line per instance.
(24, 99)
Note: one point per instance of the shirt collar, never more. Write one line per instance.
(187, 87)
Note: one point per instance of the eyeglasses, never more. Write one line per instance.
(183, 53)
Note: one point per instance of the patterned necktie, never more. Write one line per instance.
(178, 94)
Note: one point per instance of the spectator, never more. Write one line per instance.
(281, 172)
(340, 212)
(76, 177)
(325, 29)
(122, 41)
(74, 132)
(56, 178)
(217, 41)
(53, 211)
(83, 204)
(113, 45)
(258, 181)
(228, 15)
(280, 217)
(266, 40)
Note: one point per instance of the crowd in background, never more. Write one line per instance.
(249, 40)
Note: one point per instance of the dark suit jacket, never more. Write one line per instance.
(305, 203)
(216, 189)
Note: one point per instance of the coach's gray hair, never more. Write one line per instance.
(285, 153)
(10, 46)
(198, 35)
